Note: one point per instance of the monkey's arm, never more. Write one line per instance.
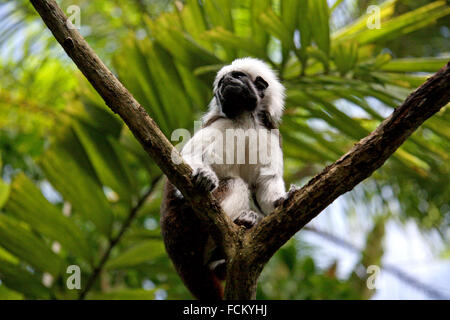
(199, 153)
(270, 184)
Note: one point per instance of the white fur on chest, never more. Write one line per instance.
(236, 148)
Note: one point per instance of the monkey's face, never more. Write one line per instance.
(238, 93)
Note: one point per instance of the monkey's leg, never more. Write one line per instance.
(236, 203)
(234, 197)
(269, 190)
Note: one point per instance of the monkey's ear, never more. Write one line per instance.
(260, 83)
(266, 120)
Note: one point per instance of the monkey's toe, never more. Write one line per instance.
(205, 180)
(288, 194)
(279, 202)
(247, 219)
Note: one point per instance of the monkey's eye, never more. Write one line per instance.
(220, 82)
(260, 83)
(238, 74)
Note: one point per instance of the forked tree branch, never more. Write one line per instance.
(247, 252)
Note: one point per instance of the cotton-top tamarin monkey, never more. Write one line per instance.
(237, 156)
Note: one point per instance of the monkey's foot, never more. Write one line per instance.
(281, 200)
(177, 193)
(219, 267)
(205, 179)
(247, 219)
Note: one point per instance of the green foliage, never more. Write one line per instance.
(4, 192)
(72, 173)
(18, 239)
(48, 220)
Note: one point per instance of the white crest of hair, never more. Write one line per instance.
(273, 100)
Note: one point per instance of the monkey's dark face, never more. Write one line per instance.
(237, 93)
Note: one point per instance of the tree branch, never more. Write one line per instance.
(144, 128)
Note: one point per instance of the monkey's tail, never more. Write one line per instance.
(186, 239)
(186, 249)
(203, 284)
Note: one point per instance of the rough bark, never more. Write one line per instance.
(249, 251)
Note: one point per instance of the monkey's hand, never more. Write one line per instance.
(205, 179)
(288, 194)
(247, 219)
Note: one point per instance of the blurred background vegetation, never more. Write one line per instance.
(71, 175)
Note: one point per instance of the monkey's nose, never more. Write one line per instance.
(230, 80)
(230, 90)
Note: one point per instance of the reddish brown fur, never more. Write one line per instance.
(186, 239)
